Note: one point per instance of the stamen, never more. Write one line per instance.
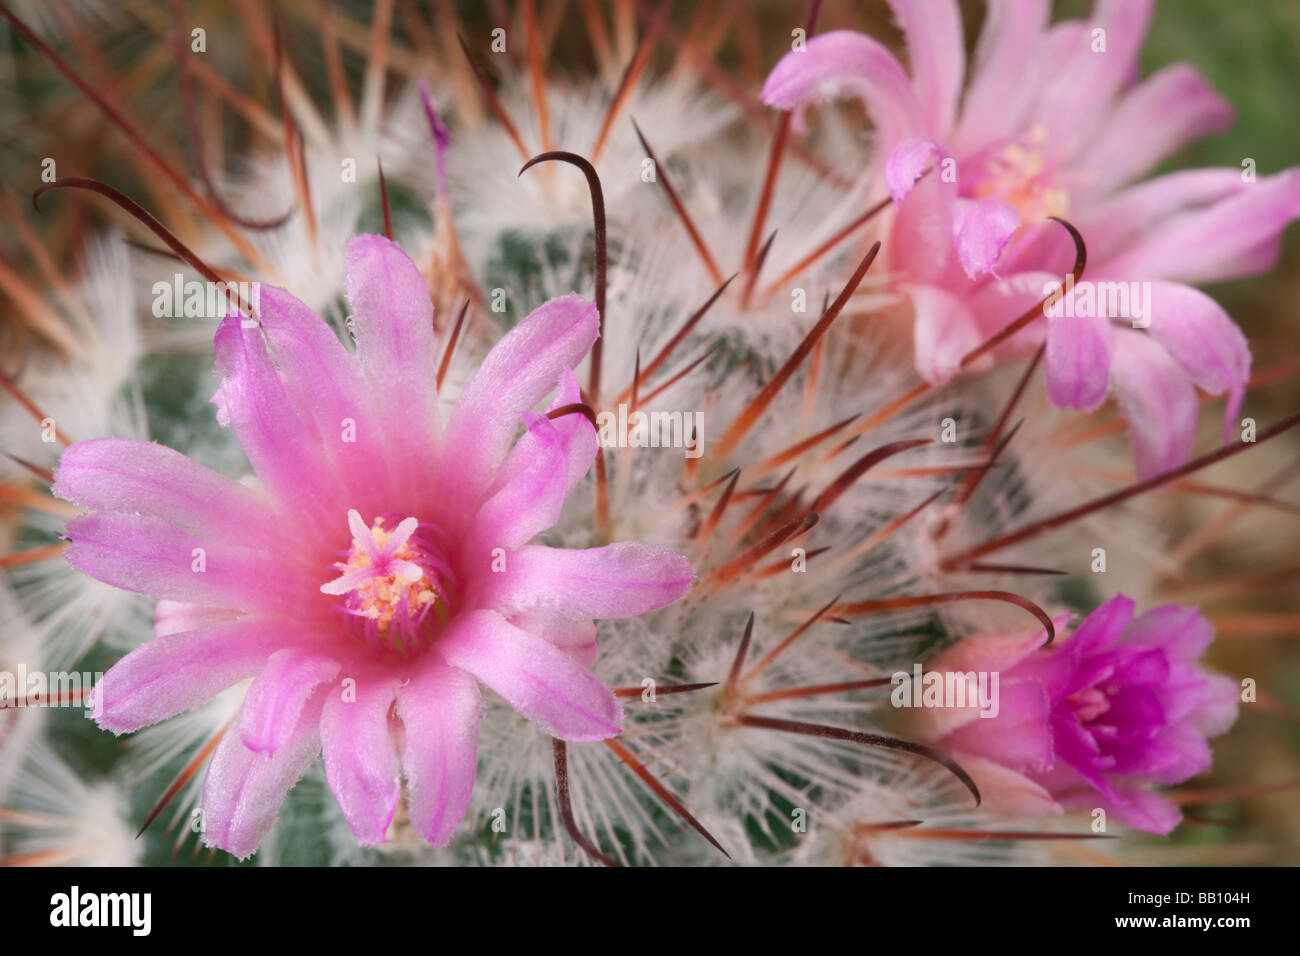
(397, 590)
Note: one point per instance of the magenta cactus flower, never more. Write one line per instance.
(1118, 707)
(1052, 123)
(383, 566)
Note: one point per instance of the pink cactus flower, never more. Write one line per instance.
(382, 568)
(1053, 123)
(1116, 708)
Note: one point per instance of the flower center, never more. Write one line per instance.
(1089, 704)
(396, 587)
(1019, 173)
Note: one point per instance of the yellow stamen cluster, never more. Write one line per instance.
(378, 597)
(1018, 174)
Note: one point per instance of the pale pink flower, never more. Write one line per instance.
(384, 567)
(1052, 122)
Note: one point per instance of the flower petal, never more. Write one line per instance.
(626, 579)
(1123, 221)
(541, 682)
(1103, 627)
(1217, 709)
(994, 305)
(1236, 236)
(1200, 337)
(906, 163)
(360, 761)
(284, 450)
(392, 320)
(440, 711)
(150, 556)
(993, 652)
(515, 376)
(1158, 399)
(178, 672)
(1182, 632)
(243, 790)
(276, 697)
(1144, 809)
(921, 244)
(531, 500)
(577, 434)
(1019, 736)
(999, 93)
(936, 52)
(1172, 108)
(1010, 795)
(981, 229)
(943, 332)
(841, 61)
(1077, 359)
(1097, 65)
(117, 474)
(329, 390)
(575, 638)
(176, 617)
